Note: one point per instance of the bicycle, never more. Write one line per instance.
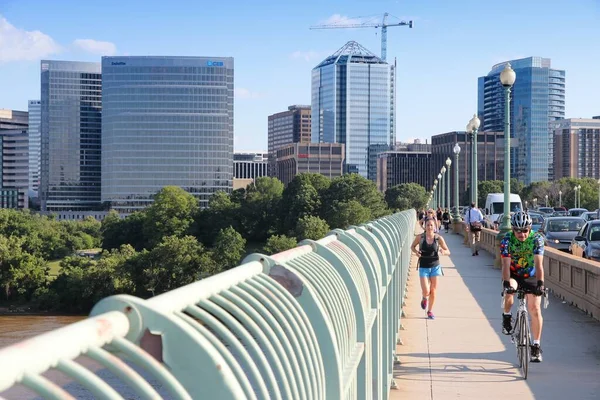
(521, 333)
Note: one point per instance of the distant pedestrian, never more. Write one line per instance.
(429, 246)
(474, 220)
(446, 219)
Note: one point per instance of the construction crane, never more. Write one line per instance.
(383, 25)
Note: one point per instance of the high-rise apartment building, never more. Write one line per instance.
(35, 120)
(577, 148)
(287, 127)
(14, 169)
(353, 102)
(71, 109)
(490, 156)
(166, 121)
(537, 100)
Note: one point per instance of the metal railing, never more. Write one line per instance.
(319, 321)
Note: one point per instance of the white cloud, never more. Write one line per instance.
(96, 47)
(341, 20)
(305, 55)
(20, 45)
(243, 93)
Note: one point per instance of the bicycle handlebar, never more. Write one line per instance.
(521, 290)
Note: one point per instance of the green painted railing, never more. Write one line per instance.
(319, 321)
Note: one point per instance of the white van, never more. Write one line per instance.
(494, 204)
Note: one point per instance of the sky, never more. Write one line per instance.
(439, 60)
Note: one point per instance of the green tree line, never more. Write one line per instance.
(173, 242)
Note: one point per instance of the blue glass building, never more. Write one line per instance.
(353, 102)
(167, 121)
(537, 99)
(71, 109)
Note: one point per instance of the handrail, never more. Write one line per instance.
(319, 321)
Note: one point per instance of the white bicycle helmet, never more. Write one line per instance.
(521, 220)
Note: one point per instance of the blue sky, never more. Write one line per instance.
(439, 60)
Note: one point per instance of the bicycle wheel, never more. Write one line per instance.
(524, 344)
(515, 339)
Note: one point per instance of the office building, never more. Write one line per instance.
(319, 158)
(537, 100)
(71, 108)
(247, 166)
(13, 119)
(396, 167)
(35, 120)
(490, 156)
(166, 121)
(14, 167)
(287, 127)
(577, 148)
(353, 103)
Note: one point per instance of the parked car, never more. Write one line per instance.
(576, 212)
(560, 213)
(589, 215)
(587, 242)
(559, 231)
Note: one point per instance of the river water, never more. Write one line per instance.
(14, 328)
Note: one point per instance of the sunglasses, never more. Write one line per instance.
(526, 230)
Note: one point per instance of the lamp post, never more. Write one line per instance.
(507, 78)
(579, 196)
(472, 128)
(435, 181)
(439, 179)
(448, 163)
(456, 153)
(443, 192)
(525, 205)
(598, 193)
(560, 197)
(535, 203)
(546, 200)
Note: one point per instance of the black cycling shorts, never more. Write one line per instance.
(529, 284)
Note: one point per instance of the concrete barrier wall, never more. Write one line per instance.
(571, 278)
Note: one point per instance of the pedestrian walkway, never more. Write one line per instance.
(463, 354)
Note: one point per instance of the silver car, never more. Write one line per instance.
(560, 231)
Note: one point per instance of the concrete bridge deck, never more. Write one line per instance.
(463, 354)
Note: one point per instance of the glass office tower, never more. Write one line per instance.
(537, 100)
(35, 119)
(71, 108)
(167, 121)
(353, 102)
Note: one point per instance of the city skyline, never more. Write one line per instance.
(448, 48)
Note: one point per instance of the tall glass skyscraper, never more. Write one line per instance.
(353, 102)
(166, 121)
(71, 108)
(35, 119)
(537, 99)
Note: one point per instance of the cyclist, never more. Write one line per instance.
(522, 254)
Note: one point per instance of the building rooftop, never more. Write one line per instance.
(352, 52)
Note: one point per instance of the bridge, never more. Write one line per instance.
(337, 318)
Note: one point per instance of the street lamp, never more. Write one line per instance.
(507, 78)
(472, 128)
(456, 153)
(560, 197)
(579, 196)
(535, 203)
(435, 181)
(439, 179)
(546, 200)
(525, 205)
(448, 163)
(443, 192)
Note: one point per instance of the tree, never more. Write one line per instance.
(406, 195)
(353, 187)
(130, 230)
(221, 213)
(311, 227)
(260, 208)
(21, 273)
(348, 213)
(229, 248)
(171, 214)
(300, 199)
(278, 243)
(486, 187)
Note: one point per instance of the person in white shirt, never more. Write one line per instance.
(474, 221)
